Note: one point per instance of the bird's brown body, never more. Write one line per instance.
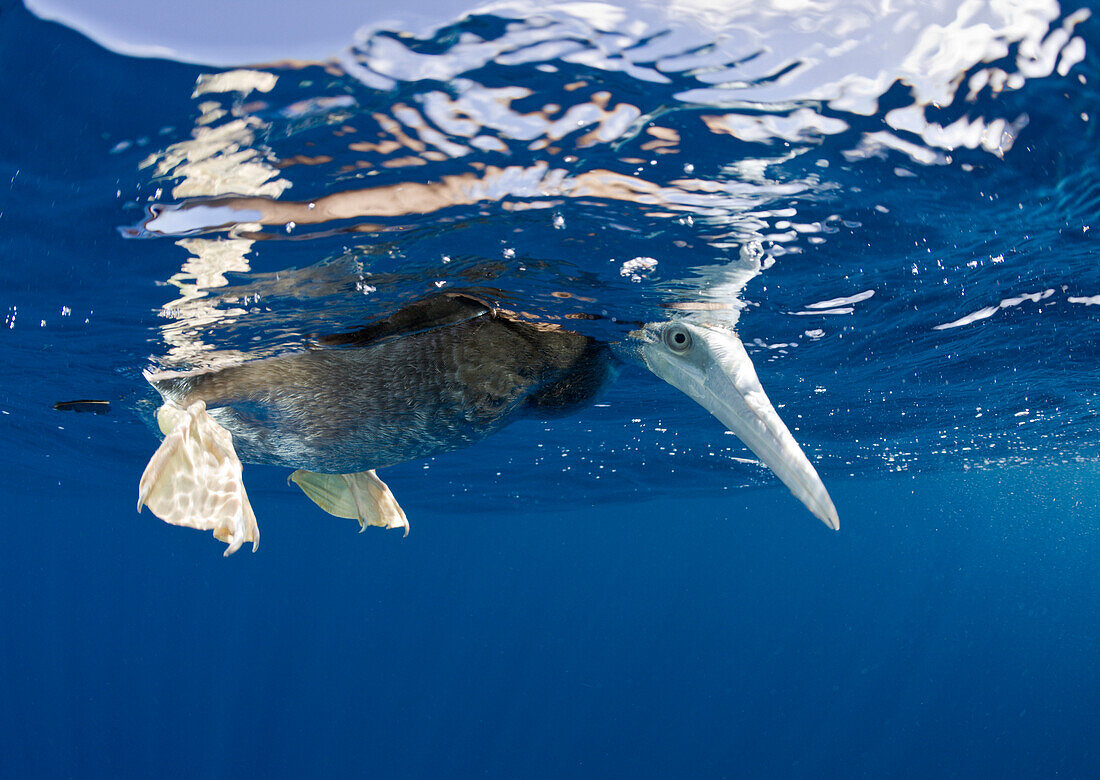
(440, 374)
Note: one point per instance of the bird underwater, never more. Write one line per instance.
(440, 374)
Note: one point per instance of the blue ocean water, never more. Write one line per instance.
(897, 208)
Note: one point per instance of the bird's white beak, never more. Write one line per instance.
(711, 365)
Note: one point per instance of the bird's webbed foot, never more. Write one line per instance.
(360, 496)
(194, 478)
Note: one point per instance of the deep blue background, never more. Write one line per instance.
(950, 629)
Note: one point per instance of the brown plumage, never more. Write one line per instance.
(438, 375)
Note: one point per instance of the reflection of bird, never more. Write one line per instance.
(436, 376)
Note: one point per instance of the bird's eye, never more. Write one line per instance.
(677, 338)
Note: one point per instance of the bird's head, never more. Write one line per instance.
(709, 363)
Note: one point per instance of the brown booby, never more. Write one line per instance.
(438, 375)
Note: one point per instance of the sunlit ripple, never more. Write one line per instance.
(773, 64)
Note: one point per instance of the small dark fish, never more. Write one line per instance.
(95, 407)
